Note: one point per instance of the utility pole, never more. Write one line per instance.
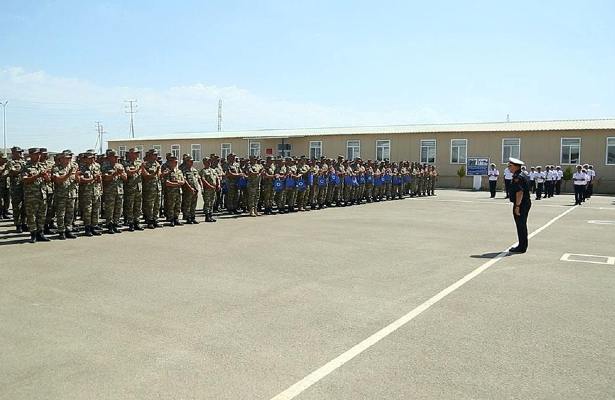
(219, 115)
(131, 109)
(4, 122)
(99, 138)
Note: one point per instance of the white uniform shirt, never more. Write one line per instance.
(552, 176)
(592, 174)
(508, 174)
(579, 178)
(493, 174)
(588, 177)
(560, 174)
(532, 175)
(539, 177)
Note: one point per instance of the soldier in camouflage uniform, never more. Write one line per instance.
(254, 170)
(65, 192)
(210, 183)
(323, 183)
(267, 185)
(34, 176)
(173, 182)
(90, 192)
(280, 176)
(50, 212)
(152, 188)
(5, 191)
(369, 181)
(215, 164)
(302, 176)
(113, 176)
(14, 167)
(190, 191)
(291, 184)
(133, 189)
(232, 174)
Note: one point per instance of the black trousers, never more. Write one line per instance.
(492, 185)
(533, 186)
(539, 188)
(549, 188)
(558, 186)
(579, 191)
(590, 190)
(507, 186)
(521, 223)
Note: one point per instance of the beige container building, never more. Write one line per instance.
(566, 143)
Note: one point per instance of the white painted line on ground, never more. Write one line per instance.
(599, 222)
(320, 373)
(607, 260)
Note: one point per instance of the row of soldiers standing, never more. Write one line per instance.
(44, 193)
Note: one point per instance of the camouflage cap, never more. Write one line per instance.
(133, 150)
(172, 158)
(111, 153)
(33, 150)
(43, 150)
(89, 153)
(188, 157)
(16, 149)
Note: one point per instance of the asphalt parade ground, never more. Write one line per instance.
(404, 299)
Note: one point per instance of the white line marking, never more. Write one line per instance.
(607, 260)
(598, 222)
(299, 387)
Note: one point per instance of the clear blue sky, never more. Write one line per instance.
(66, 64)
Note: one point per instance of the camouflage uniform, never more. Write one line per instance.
(113, 191)
(303, 195)
(50, 200)
(210, 179)
(291, 191)
(35, 194)
(232, 189)
(15, 167)
(65, 195)
(173, 195)
(280, 196)
(89, 196)
(254, 171)
(323, 189)
(189, 198)
(152, 189)
(267, 186)
(133, 193)
(5, 191)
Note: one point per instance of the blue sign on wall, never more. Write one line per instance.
(477, 166)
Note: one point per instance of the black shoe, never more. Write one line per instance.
(138, 227)
(517, 250)
(194, 221)
(115, 229)
(156, 224)
(178, 222)
(33, 237)
(131, 228)
(150, 225)
(19, 229)
(69, 234)
(110, 229)
(89, 231)
(47, 230)
(172, 223)
(62, 236)
(40, 237)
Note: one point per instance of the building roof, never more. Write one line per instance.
(555, 125)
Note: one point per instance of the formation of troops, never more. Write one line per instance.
(547, 182)
(48, 196)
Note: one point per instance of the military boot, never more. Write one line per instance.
(32, 237)
(131, 227)
(115, 229)
(138, 227)
(69, 234)
(61, 236)
(40, 237)
(94, 231)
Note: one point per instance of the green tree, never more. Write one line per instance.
(567, 176)
(461, 172)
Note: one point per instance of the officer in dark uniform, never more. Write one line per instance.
(520, 197)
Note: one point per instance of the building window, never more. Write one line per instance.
(610, 150)
(121, 150)
(158, 148)
(195, 152)
(511, 148)
(315, 150)
(428, 151)
(284, 149)
(459, 151)
(140, 150)
(225, 150)
(383, 150)
(255, 149)
(353, 149)
(175, 151)
(571, 151)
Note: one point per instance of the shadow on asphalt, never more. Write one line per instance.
(491, 255)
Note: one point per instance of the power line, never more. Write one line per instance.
(132, 108)
(4, 122)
